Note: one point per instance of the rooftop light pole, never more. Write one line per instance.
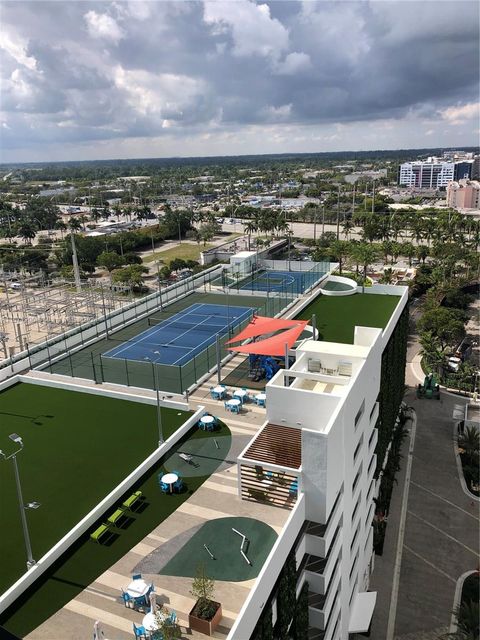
(13, 456)
(159, 410)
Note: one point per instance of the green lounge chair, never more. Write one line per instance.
(129, 502)
(98, 533)
(113, 519)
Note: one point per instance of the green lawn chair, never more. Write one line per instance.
(98, 533)
(129, 502)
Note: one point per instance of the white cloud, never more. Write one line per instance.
(103, 26)
(253, 30)
(294, 63)
(18, 50)
(158, 94)
(460, 114)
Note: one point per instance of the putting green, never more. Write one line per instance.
(207, 454)
(224, 544)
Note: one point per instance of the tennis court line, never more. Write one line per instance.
(151, 331)
(225, 330)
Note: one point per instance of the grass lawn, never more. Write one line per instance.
(86, 560)
(78, 447)
(337, 317)
(185, 251)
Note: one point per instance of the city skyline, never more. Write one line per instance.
(89, 80)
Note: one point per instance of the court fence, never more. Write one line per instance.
(166, 378)
(272, 276)
(55, 348)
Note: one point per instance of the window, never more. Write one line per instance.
(359, 414)
(356, 507)
(373, 410)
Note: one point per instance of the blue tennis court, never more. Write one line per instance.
(281, 281)
(184, 335)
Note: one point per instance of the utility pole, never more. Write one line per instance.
(373, 197)
(76, 270)
(338, 214)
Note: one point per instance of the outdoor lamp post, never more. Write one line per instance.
(13, 456)
(159, 410)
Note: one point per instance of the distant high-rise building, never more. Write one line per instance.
(476, 168)
(464, 194)
(433, 173)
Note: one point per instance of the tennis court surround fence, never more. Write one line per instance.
(168, 378)
(45, 353)
(78, 352)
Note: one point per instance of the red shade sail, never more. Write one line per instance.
(260, 326)
(274, 346)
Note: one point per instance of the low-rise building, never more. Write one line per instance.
(464, 194)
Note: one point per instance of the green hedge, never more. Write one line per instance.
(392, 385)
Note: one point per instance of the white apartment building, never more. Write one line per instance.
(320, 434)
(432, 174)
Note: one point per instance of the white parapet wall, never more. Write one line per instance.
(266, 579)
(348, 282)
(23, 583)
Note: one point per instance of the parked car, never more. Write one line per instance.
(454, 363)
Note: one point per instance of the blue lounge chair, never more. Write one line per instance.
(140, 632)
(164, 487)
(137, 576)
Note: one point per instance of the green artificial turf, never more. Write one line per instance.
(228, 563)
(77, 448)
(337, 316)
(113, 452)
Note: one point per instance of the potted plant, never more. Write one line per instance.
(206, 614)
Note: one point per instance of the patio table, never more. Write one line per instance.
(207, 422)
(261, 397)
(138, 588)
(234, 402)
(149, 621)
(241, 394)
(170, 479)
(220, 391)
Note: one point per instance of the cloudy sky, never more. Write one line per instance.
(87, 80)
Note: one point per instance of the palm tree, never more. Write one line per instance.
(74, 224)
(408, 250)
(27, 231)
(366, 255)
(340, 250)
(249, 228)
(432, 350)
(347, 227)
(469, 441)
(467, 616)
(61, 226)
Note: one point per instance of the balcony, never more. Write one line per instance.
(319, 571)
(320, 606)
(319, 537)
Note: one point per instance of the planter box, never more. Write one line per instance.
(205, 626)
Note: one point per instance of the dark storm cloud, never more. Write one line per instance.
(79, 71)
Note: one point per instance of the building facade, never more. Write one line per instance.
(329, 420)
(464, 194)
(433, 173)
